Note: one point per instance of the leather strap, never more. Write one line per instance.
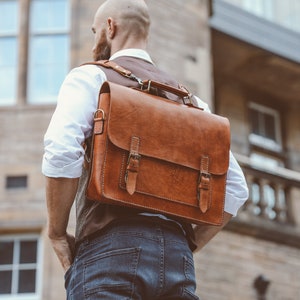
(99, 118)
(133, 165)
(204, 188)
(112, 65)
(148, 85)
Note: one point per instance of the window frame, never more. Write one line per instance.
(261, 141)
(14, 34)
(15, 267)
(24, 36)
(49, 32)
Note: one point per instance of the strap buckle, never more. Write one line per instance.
(99, 118)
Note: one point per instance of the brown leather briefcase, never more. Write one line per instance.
(158, 155)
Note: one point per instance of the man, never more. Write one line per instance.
(120, 253)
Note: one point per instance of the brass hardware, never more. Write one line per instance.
(131, 166)
(99, 121)
(96, 114)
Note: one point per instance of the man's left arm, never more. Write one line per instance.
(60, 195)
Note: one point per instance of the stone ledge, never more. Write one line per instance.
(283, 234)
(22, 226)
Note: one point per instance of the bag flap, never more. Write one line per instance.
(167, 130)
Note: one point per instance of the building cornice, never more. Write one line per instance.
(254, 30)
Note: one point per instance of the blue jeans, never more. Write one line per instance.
(134, 258)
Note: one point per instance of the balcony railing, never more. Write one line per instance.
(269, 191)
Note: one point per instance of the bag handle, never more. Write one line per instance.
(148, 85)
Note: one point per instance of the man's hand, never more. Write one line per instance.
(60, 194)
(64, 248)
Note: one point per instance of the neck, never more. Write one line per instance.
(128, 43)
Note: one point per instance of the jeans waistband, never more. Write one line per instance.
(138, 221)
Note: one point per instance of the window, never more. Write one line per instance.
(261, 8)
(8, 51)
(37, 52)
(284, 13)
(265, 127)
(16, 182)
(49, 47)
(268, 197)
(20, 267)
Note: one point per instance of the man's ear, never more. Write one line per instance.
(111, 28)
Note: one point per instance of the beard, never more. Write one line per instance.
(103, 49)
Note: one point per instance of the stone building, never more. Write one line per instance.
(255, 85)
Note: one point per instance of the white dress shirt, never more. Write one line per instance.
(72, 123)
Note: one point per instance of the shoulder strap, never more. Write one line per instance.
(148, 85)
(112, 65)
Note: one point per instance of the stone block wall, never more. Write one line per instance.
(227, 267)
(179, 43)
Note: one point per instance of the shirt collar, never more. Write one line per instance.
(138, 53)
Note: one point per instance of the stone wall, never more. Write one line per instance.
(179, 40)
(179, 43)
(228, 266)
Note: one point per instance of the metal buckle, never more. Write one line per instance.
(99, 121)
(135, 156)
(148, 88)
(188, 100)
(204, 180)
(131, 156)
(99, 111)
(133, 77)
(205, 174)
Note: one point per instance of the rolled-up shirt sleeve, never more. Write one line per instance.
(236, 187)
(72, 122)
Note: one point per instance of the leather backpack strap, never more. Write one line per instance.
(149, 85)
(112, 65)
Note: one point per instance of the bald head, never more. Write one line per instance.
(131, 16)
(120, 24)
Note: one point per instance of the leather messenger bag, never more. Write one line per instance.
(158, 155)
